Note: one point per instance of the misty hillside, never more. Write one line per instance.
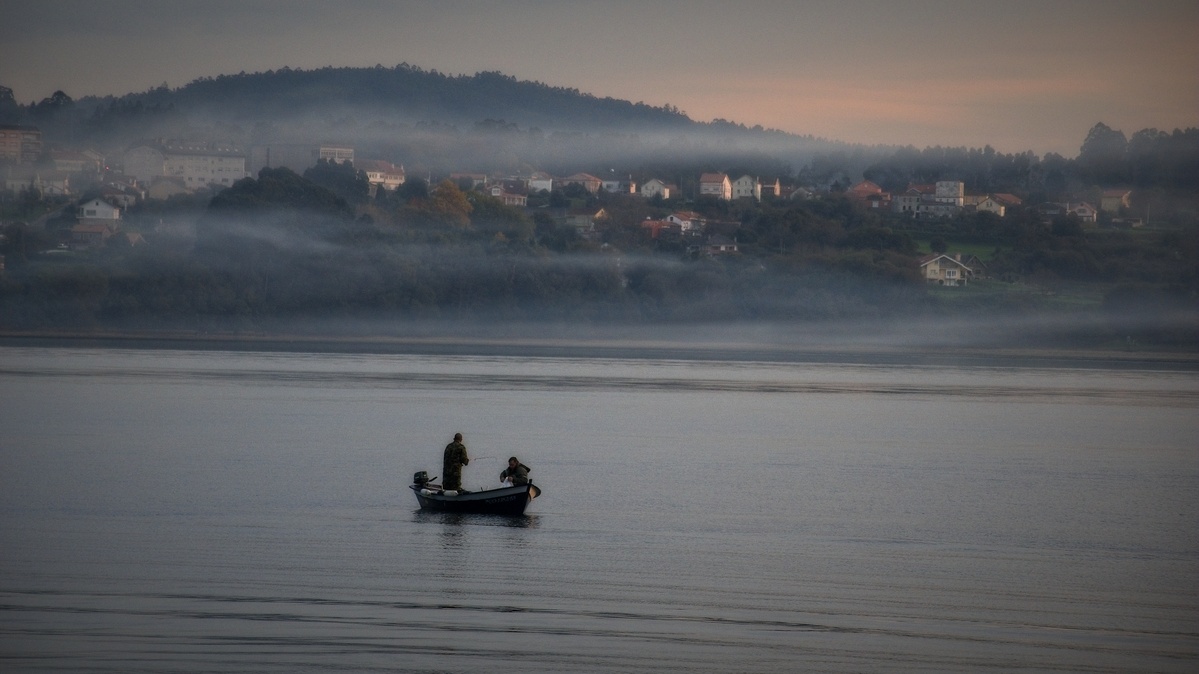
(423, 119)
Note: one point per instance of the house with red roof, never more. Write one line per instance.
(686, 220)
(866, 188)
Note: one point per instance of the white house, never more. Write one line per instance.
(686, 220)
(717, 185)
(540, 181)
(200, 168)
(338, 154)
(619, 186)
(945, 270)
(196, 165)
(1083, 210)
(588, 181)
(381, 173)
(992, 205)
(99, 211)
(654, 187)
(747, 187)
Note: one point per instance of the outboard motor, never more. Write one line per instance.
(420, 478)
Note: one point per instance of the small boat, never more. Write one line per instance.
(500, 501)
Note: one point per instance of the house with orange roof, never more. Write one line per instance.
(859, 191)
(657, 227)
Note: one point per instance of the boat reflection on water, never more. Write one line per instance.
(475, 519)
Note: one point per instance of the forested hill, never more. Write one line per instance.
(421, 118)
(414, 95)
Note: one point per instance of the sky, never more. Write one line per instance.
(1017, 75)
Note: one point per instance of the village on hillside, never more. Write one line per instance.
(104, 187)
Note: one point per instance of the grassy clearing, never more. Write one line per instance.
(990, 292)
(984, 251)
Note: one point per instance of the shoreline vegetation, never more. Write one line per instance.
(631, 347)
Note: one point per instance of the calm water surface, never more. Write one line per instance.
(174, 511)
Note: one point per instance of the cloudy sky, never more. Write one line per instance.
(1015, 74)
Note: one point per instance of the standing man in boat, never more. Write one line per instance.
(451, 467)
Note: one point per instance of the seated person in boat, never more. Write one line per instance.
(451, 467)
(516, 472)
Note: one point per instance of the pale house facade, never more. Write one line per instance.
(716, 185)
(686, 220)
(945, 270)
(654, 187)
(98, 211)
(541, 181)
(196, 166)
(382, 174)
(992, 205)
(338, 154)
(1085, 212)
(747, 187)
(619, 186)
(588, 181)
(200, 168)
(950, 192)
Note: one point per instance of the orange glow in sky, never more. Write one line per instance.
(1018, 75)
